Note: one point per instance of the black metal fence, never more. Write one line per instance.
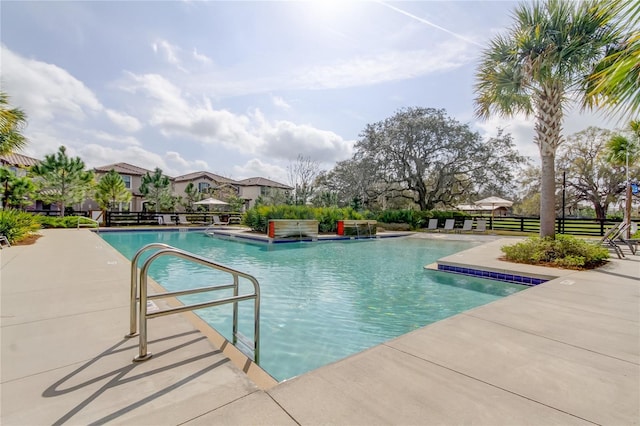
(57, 212)
(573, 226)
(593, 227)
(152, 218)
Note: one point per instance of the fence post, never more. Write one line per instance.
(522, 224)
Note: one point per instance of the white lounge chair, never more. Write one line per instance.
(182, 219)
(433, 225)
(467, 226)
(449, 225)
(609, 238)
(481, 225)
(217, 221)
(166, 220)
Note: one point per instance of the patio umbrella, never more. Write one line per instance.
(494, 202)
(211, 202)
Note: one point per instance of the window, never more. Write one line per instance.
(127, 181)
(203, 186)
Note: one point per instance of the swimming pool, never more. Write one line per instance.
(322, 301)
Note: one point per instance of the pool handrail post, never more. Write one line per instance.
(143, 315)
(143, 355)
(234, 331)
(134, 287)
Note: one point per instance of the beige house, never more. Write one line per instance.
(247, 189)
(252, 188)
(17, 163)
(204, 183)
(132, 177)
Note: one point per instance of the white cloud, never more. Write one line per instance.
(45, 91)
(179, 57)
(520, 127)
(155, 87)
(256, 167)
(175, 160)
(176, 114)
(384, 67)
(172, 163)
(279, 102)
(168, 51)
(287, 140)
(105, 138)
(124, 121)
(200, 57)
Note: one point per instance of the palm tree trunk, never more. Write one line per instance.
(548, 127)
(548, 197)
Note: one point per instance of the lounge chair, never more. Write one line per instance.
(449, 225)
(4, 240)
(481, 226)
(182, 219)
(217, 221)
(609, 238)
(166, 220)
(433, 225)
(632, 243)
(467, 226)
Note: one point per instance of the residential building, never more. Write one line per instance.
(132, 177)
(18, 163)
(204, 183)
(252, 188)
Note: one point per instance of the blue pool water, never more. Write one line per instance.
(321, 301)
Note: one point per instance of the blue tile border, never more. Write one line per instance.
(498, 276)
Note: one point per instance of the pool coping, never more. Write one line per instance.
(541, 356)
(242, 233)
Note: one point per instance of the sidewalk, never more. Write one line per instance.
(564, 352)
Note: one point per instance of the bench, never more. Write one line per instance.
(292, 228)
(357, 227)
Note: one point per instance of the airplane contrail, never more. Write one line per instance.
(431, 24)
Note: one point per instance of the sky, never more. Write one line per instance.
(242, 88)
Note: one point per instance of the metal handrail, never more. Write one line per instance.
(133, 319)
(209, 230)
(172, 251)
(93, 221)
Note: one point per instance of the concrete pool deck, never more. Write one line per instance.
(563, 352)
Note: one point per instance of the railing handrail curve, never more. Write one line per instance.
(93, 222)
(143, 315)
(134, 286)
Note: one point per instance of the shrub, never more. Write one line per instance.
(57, 221)
(564, 251)
(16, 225)
(257, 218)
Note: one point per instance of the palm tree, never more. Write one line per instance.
(111, 190)
(12, 121)
(537, 67)
(615, 81)
(625, 151)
